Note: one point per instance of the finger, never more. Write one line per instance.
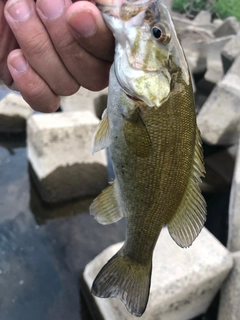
(32, 87)
(86, 67)
(37, 47)
(7, 44)
(90, 30)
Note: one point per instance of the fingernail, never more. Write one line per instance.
(19, 10)
(51, 9)
(19, 63)
(83, 23)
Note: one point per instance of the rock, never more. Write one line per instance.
(184, 281)
(230, 26)
(194, 42)
(83, 100)
(229, 304)
(234, 213)
(214, 61)
(59, 151)
(223, 162)
(202, 18)
(180, 23)
(14, 112)
(230, 52)
(219, 117)
(219, 168)
(217, 22)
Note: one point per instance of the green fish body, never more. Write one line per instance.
(155, 146)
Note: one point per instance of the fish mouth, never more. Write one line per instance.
(135, 99)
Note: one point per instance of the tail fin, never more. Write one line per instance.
(126, 279)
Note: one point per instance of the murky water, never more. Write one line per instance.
(43, 249)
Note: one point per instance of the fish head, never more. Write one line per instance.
(148, 54)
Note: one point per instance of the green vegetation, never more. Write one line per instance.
(218, 8)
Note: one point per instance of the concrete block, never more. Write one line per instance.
(230, 26)
(202, 18)
(83, 100)
(230, 294)
(223, 162)
(184, 281)
(14, 112)
(230, 52)
(219, 168)
(194, 42)
(219, 117)
(214, 61)
(180, 22)
(234, 213)
(59, 151)
(217, 22)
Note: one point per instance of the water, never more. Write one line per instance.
(43, 249)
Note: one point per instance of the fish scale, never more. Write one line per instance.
(150, 128)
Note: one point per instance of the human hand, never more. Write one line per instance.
(62, 47)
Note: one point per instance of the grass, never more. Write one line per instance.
(219, 8)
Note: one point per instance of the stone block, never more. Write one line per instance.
(214, 61)
(194, 42)
(219, 168)
(219, 117)
(184, 281)
(230, 26)
(83, 100)
(59, 152)
(14, 111)
(223, 162)
(202, 18)
(229, 303)
(230, 52)
(234, 213)
(180, 23)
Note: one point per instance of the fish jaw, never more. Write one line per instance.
(153, 88)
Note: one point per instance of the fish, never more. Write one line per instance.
(155, 146)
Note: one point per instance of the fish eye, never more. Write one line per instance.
(156, 32)
(160, 34)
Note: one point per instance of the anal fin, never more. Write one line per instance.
(101, 137)
(105, 207)
(188, 221)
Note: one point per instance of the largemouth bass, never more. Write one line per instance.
(155, 146)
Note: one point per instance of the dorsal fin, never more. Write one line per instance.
(105, 207)
(101, 137)
(188, 221)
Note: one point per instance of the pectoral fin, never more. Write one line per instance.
(137, 136)
(187, 223)
(105, 207)
(101, 138)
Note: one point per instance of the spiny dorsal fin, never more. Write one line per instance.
(105, 207)
(137, 136)
(101, 137)
(188, 221)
